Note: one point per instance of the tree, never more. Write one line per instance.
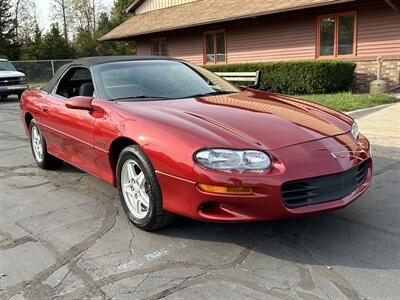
(26, 16)
(106, 24)
(55, 46)
(7, 33)
(16, 18)
(84, 44)
(51, 45)
(64, 10)
(32, 48)
(118, 14)
(86, 40)
(87, 13)
(77, 26)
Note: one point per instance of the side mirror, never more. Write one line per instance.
(20, 70)
(80, 102)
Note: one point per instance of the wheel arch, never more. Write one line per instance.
(28, 119)
(115, 149)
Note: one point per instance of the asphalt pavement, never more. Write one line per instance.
(64, 235)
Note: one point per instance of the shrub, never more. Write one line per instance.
(298, 77)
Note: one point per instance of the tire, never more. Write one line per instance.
(149, 214)
(45, 160)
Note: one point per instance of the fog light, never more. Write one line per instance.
(225, 189)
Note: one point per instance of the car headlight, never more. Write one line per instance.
(354, 130)
(22, 79)
(228, 159)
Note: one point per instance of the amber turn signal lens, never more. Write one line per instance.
(225, 190)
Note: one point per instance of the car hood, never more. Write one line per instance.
(4, 74)
(250, 118)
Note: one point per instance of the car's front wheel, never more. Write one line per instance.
(39, 149)
(140, 191)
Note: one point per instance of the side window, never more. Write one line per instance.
(159, 47)
(336, 35)
(214, 47)
(76, 82)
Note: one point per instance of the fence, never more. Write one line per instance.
(39, 71)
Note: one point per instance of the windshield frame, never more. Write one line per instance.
(7, 63)
(206, 75)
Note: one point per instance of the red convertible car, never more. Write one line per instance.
(176, 139)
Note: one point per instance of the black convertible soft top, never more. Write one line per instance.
(95, 60)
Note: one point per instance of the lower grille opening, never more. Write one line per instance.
(325, 188)
(207, 206)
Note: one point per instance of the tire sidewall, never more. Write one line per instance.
(133, 153)
(41, 164)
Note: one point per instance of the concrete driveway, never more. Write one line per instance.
(63, 235)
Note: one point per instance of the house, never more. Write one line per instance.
(240, 31)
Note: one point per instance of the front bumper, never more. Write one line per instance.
(308, 160)
(12, 89)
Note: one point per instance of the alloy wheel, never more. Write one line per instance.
(37, 143)
(135, 189)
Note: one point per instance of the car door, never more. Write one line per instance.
(70, 132)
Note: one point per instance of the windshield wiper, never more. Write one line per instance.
(139, 97)
(210, 94)
(218, 92)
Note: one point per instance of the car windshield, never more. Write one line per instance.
(156, 79)
(6, 66)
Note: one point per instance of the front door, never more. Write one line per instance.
(70, 132)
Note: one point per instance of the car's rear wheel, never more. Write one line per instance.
(39, 149)
(140, 191)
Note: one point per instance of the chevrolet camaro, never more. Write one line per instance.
(176, 139)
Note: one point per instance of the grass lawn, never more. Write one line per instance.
(36, 84)
(348, 101)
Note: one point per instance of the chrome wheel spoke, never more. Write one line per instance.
(126, 185)
(131, 171)
(129, 192)
(131, 199)
(139, 206)
(140, 179)
(145, 199)
(134, 203)
(133, 183)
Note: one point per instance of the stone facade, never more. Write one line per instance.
(366, 71)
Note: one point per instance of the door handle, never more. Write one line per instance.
(45, 108)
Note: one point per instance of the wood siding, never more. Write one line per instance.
(281, 39)
(378, 31)
(151, 5)
(143, 47)
(189, 48)
(277, 38)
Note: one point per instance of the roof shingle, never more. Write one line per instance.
(205, 12)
